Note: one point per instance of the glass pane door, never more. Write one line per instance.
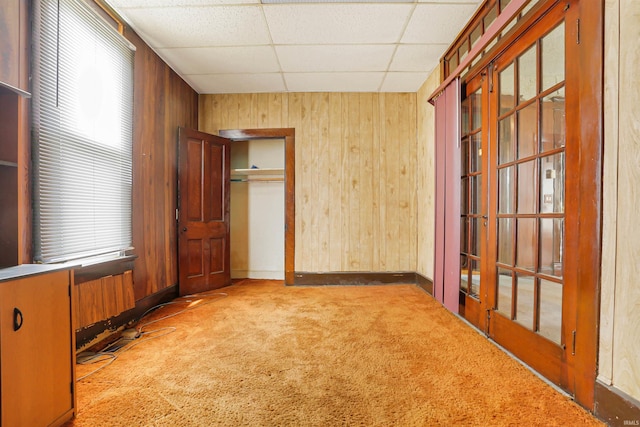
(473, 218)
(530, 186)
(525, 268)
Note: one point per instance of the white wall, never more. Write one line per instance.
(257, 213)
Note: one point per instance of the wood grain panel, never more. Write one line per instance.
(334, 181)
(610, 189)
(90, 302)
(626, 363)
(109, 297)
(102, 299)
(425, 209)
(356, 169)
(162, 103)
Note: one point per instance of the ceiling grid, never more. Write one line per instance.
(244, 46)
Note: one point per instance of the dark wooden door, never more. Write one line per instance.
(203, 216)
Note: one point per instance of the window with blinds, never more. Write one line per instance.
(82, 133)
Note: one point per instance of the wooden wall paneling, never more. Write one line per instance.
(345, 192)
(412, 155)
(626, 371)
(208, 110)
(295, 120)
(610, 188)
(123, 293)
(277, 111)
(394, 219)
(162, 102)
(128, 293)
(109, 298)
(382, 182)
(310, 184)
(154, 218)
(356, 175)
(244, 112)
(169, 268)
(366, 183)
(425, 211)
(118, 292)
(263, 110)
(323, 180)
(334, 178)
(91, 303)
(353, 171)
(377, 238)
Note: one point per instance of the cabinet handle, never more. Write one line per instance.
(17, 319)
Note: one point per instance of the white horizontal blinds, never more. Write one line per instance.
(82, 122)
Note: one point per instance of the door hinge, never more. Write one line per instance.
(486, 329)
(177, 215)
(573, 343)
(578, 31)
(491, 70)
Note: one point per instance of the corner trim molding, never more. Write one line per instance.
(615, 407)
(302, 278)
(425, 283)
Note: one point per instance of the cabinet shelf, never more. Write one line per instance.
(251, 172)
(10, 164)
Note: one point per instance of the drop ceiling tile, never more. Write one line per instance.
(403, 82)
(437, 23)
(167, 3)
(222, 60)
(321, 58)
(200, 26)
(236, 83)
(336, 23)
(417, 57)
(333, 82)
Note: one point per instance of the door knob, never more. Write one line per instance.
(184, 229)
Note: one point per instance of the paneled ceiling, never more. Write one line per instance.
(244, 46)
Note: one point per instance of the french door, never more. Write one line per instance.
(519, 201)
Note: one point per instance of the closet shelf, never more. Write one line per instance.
(265, 171)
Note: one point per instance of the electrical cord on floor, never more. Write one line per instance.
(108, 353)
(199, 296)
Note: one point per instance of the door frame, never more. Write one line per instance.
(289, 136)
(585, 29)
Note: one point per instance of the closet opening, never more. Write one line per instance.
(257, 209)
(262, 203)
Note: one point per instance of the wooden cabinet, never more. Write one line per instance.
(37, 371)
(9, 130)
(14, 140)
(14, 50)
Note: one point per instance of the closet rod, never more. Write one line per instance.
(258, 180)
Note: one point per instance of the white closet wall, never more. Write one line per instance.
(257, 210)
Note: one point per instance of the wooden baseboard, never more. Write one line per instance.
(424, 283)
(353, 278)
(94, 333)
(616, 408)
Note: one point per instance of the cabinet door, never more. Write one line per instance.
(13, 43)
(35, 359)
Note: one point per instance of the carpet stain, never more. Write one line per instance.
(271, 355)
